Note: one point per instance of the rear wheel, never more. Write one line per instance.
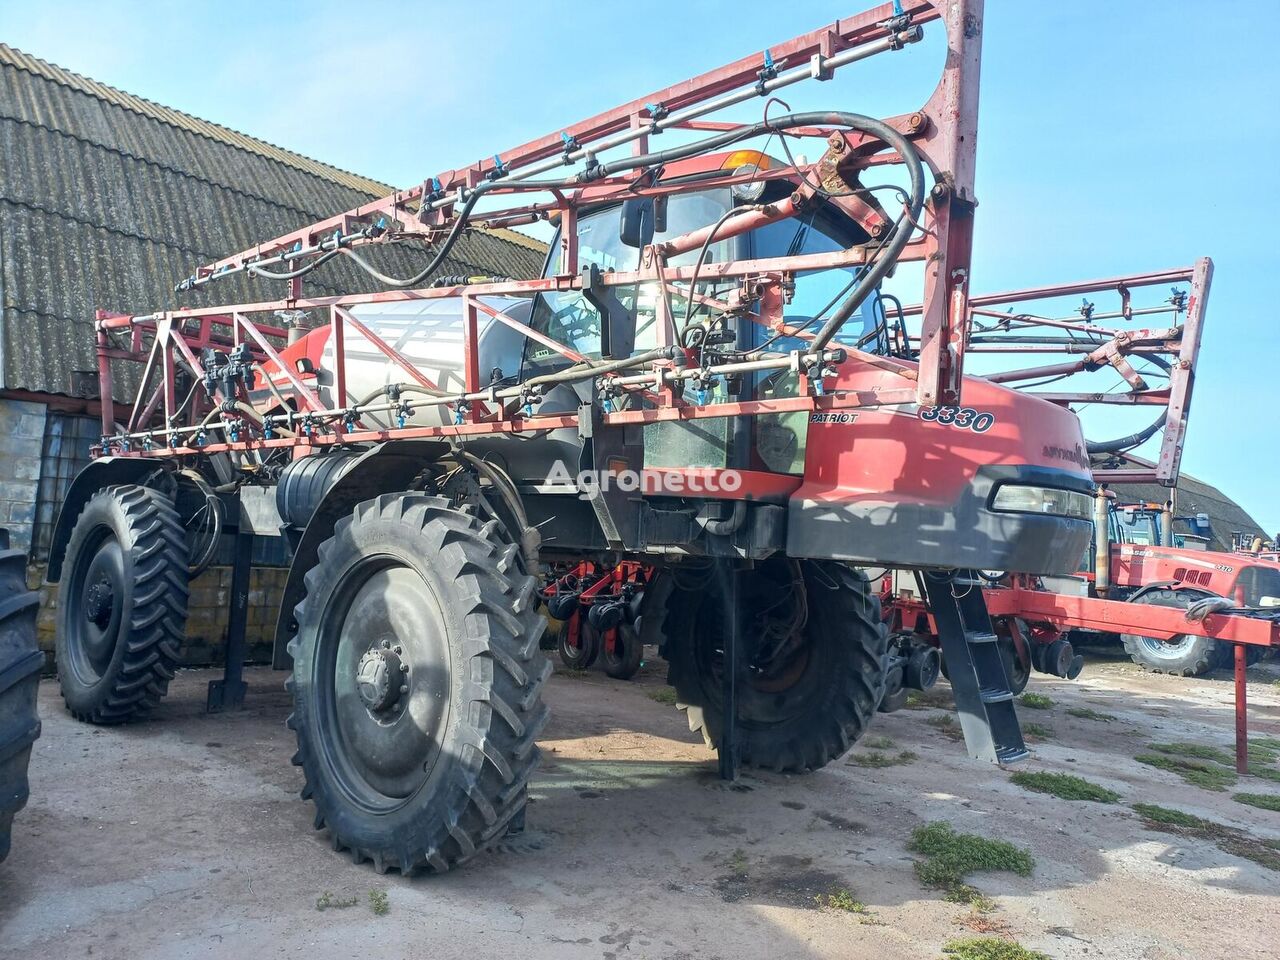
(1183, 656)
(122, 605)
(814, 653)
(20, 663)
(416, 684)
(579, 648)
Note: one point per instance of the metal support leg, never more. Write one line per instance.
(228, 692)
(729, 679)
(1242, 711)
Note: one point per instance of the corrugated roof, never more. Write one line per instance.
(1195, 496)
(107, 199)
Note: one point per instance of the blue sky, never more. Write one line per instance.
(1116, 136)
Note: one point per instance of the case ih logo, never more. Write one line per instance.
(1075, 455)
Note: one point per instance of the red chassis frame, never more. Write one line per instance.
(943, 131)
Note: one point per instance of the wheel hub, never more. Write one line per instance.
(99, 600)
(382, 677)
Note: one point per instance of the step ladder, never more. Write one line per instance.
(975, 666)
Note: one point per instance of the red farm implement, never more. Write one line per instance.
(1177, 608)
(598, 609)
(706, 379)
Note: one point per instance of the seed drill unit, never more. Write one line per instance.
(706, 379)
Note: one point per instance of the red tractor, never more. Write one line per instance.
(706, 379)
(1138, 562)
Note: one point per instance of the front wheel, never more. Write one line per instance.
(815, 660)
(417, 684)
(1183, 656)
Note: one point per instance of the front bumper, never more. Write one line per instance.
(965, 533)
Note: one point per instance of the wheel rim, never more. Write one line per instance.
(1168, 650)
(94, 611)
(780, 677)
(383, 683)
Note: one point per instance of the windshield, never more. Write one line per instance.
(570, 319)
(819, 292)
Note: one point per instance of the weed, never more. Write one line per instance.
(953, 856)
(971, 896)
(327, 901)
(879, 743)
(989, 948)
(946, 723)
(1192, 771)
(1228, 839)
(1085, 713)
(1264, 801)
(1035, 701)
(1266, 773)
(1166, 815)
(738, 863)
(1037, 730)
(842, 899)
(1197, 751)
(573, 674)
(665, 695)
(378, 902)
(1064, 786)
(877, 759)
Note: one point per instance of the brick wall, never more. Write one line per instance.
(21, 440)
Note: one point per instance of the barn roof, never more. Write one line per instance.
(1194, 496)
(108, 199)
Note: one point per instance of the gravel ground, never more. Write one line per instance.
(185, 837)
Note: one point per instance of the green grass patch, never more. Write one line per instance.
(1228, 839)
(1037, 730)
(1086, 713)
(1035, 701)
(379, 903)
(878, 743)
(1199, 773)
(1197, 751)
(841, 899)
(951, 857)
(573, 674)
(330, 901)
(1064, 786)
(989, 948)
(1263, 801)
(665, 695)
(877, 759)
(738, 863)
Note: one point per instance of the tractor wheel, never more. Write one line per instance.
(20, 663)
(1016, 668)
(416, 684)
(814, 654)
(580, 655)
(628, 651)
(122, 608)
(1184, 656)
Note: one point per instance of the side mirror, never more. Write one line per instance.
(640, 219)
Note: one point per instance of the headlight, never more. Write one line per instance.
(1019, 498)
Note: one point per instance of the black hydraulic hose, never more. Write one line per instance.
(888, 254)
(1132, 440)
(445, 247)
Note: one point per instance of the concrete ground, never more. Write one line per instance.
(185, 837)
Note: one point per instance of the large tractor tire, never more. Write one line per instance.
(122, 607)
(1184, 656)
(815, 657)
(416, 684)
(20, 663)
